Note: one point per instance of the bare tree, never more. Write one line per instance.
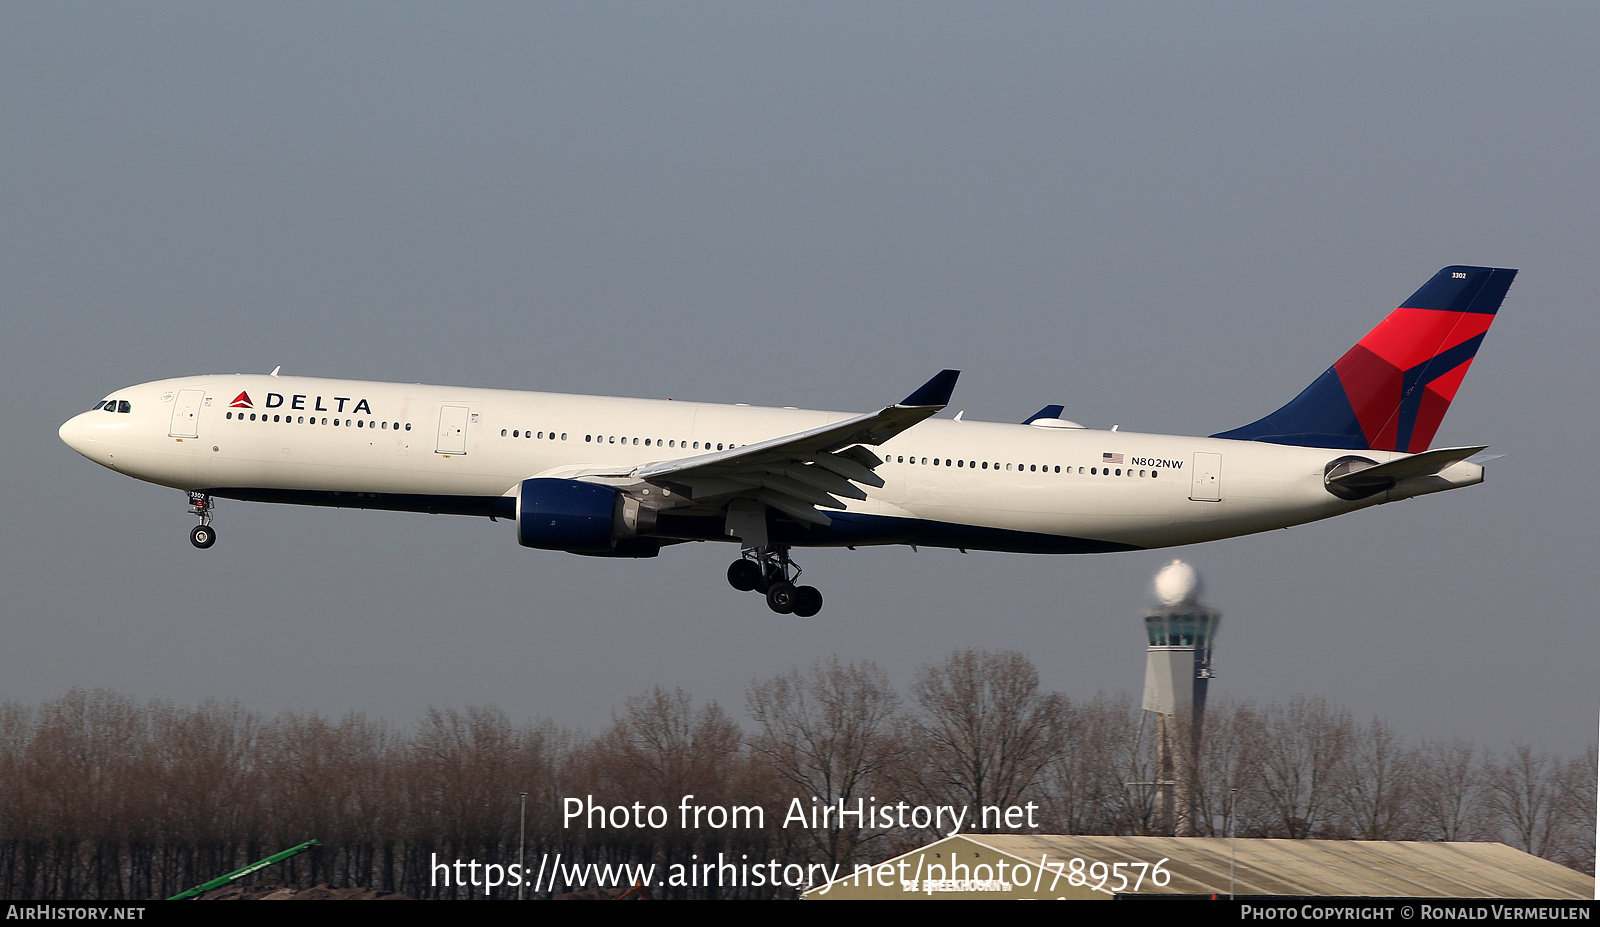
(1450, 791)
(1227, 791)
(465, 772)
(1376, 788)
(1523, 795)
(828, 733)
(986, 733)
(663, 751)
(1303, 748)
(1575, 812)
(660, 748)
(1092, 785)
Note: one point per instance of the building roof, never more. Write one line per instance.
(1387, 868)
(1262, 867)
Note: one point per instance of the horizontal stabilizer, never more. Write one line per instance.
(1383, 476)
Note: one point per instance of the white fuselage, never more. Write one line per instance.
(952, 483)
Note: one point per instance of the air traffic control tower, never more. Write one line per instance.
(1181, 633)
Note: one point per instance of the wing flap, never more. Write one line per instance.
(823, 479)
(794, 509)
(799, 490)
(851, 469)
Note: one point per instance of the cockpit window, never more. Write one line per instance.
(124, 406)
(98, 405)
(111, 405)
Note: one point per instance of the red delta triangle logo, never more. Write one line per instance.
(242, 401)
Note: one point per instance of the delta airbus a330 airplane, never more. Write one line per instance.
(624, 477)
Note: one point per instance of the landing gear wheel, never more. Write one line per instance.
(203, 536)
(807, 601)
(744, 575)
(781, 596)
(769, 570)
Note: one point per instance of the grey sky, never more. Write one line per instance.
(1171, 217)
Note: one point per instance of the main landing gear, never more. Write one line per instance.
(203, 535)
(770, 571)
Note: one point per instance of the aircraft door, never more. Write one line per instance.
(186, 413)
(452, 430)
(1207, 478)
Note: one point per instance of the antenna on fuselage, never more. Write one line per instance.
(275, 370)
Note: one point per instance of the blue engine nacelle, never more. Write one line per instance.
(567, 515)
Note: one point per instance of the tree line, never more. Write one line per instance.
(104, 797)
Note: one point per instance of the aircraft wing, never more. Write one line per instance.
(798, 474)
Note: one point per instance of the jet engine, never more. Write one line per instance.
(583, 518)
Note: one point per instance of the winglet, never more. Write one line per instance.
(1046, 412)
(935, 392)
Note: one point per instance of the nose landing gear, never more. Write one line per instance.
(203, 535)
(769, 570)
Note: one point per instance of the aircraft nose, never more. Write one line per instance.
(75, 434)
(70, 432)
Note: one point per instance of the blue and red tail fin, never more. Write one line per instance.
(1390, 391)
